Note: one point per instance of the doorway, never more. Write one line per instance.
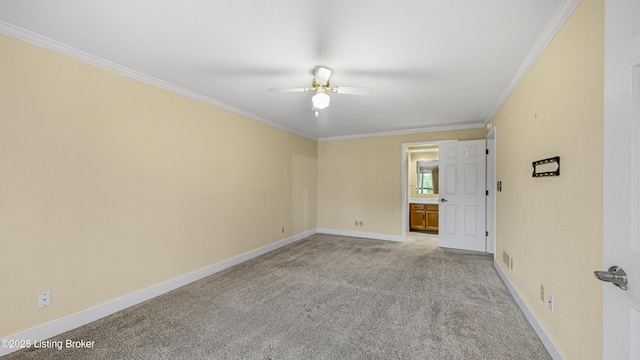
(445, 182)
(423, 185)
(419, 168)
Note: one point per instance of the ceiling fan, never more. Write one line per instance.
(321, 86)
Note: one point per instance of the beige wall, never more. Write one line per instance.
(552, 227)
(109, 185)
(361, 179)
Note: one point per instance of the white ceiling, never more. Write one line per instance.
(430, 63)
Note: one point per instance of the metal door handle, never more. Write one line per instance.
(615, 275)
(443, 200)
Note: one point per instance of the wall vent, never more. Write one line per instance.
(506, 259)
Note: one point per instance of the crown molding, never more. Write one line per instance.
(561, 15)
(407, 132)
(77, 54)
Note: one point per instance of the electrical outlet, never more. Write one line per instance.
(550, 302)
(44, 299)
(541, 292)
(360, 223)
(283, 229)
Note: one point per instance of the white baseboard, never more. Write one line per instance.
(537, 327)
(70, 322)
(362, 234)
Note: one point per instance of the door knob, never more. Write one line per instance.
(615, 275)
(443, 200)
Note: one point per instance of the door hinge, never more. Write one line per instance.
(486, 233)
(487, 151)
(487, 193)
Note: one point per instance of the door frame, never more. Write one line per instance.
(405, 190)
(490, 225)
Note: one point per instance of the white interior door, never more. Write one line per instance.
(462, 195)
(621, 222)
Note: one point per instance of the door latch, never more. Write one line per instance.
(615, 275)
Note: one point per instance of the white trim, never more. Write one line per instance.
(69, 322)
(426, 143)
(405, 191)
(491, 187)
(66, 50)
(407, 132)
(553, 350)
(561, 15)
(361, 234)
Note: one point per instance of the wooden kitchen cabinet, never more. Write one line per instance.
(423, 217)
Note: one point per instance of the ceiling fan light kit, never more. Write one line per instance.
(321, 100)
(320, 84)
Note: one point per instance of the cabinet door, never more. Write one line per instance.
(432, 221)
(432, 217)
(418, 220)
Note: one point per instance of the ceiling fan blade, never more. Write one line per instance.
(322, 74)
(351, 90)
(289, 90)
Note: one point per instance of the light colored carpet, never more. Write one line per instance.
(324, 297)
